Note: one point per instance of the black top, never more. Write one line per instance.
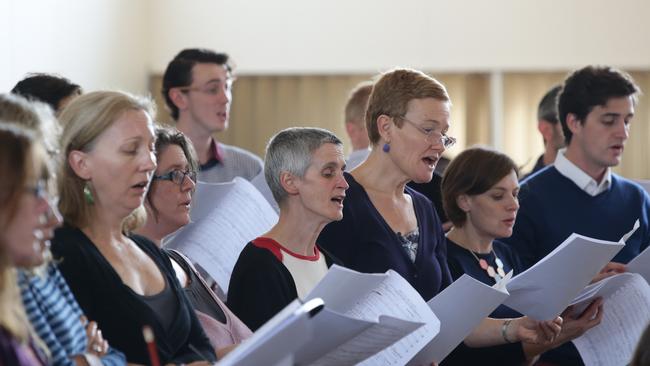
(364, 242)
(164, 304)
(119, 311)
(432, 190)
(261, 286)
(461, 261)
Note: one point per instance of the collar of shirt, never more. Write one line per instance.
(568, 169)
(215, 157)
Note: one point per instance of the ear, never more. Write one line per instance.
(178, 98)
(384, 126)
(350, 129)
(545, 129)
(573, 123)
(80, 164)
(289, 183)
(464, 202)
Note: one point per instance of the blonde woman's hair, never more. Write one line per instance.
(84, 120)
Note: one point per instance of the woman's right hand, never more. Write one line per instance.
(576, 325)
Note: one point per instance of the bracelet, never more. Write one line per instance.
(504, 330)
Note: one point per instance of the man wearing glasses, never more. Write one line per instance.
(197, 87)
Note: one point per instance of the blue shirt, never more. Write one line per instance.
(55, 316)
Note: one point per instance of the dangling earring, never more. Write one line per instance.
(88, 194)
(386, 147)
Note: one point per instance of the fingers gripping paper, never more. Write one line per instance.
(225, 217)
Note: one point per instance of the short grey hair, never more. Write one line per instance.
(290, 150)
(547, 108)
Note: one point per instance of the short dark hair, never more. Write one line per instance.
(179, 70)
(165, 137)
(47, 88)
(547, 108)
(472, 172)
(589, 87)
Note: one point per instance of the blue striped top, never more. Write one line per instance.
(55, 316)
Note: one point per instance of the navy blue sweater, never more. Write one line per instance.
(364, 242)
(553, 207)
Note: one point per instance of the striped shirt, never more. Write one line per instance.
(55, 315)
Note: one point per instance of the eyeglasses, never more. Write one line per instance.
(212, 88)
(177, 176)
(446, 141)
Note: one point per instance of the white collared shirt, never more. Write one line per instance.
(568, 169)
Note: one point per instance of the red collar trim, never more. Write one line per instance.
(277, 249)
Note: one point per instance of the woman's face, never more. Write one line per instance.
(121, 163)
(322, 188)
(415, 153)
(493, 212)
(171, 200)
(28, 233)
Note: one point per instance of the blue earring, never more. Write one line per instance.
(386, 147)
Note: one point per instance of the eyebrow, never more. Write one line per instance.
(331, 164)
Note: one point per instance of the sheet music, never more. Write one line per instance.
(228, 216)
(269, 346)
(259, 182)
(557, 279)
(460, 308)
(369, 340)
(371, 296)
(625, 317)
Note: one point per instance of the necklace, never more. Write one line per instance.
(497, 274)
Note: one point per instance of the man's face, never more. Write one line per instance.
(601, 138)
(209, 96)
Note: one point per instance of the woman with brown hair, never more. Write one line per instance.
(480, 195)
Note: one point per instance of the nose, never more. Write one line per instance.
(226, 95)
(49, 217)
(149, 162)
(435, 139)
(623, 130)
(513, 204)
(342, 183)
(188, 184)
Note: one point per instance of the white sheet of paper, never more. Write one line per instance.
(269, 346)
(227, 216)
(361, 339)
(625, 317)
(641, 264)
(371, 296)
(259, 182)
(556, 278)
(460, 308)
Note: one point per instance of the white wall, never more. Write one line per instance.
(117, 43)
(95, 43)
(341, 36)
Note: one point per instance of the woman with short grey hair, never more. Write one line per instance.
(304, 169)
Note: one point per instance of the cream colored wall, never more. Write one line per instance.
(364, 36)
(99, 44)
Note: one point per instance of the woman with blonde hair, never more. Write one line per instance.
(121, 280)
(23, 202)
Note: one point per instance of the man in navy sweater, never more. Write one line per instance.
(579, 193)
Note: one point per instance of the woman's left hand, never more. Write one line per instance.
(525, 329)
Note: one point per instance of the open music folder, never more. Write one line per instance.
(225, 217)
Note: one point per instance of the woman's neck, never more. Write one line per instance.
(469, 238)
(104, 228)
(379, 174)
(297, 230)
(152, 232)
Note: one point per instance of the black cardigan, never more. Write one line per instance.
(119, 312)
(261, 286)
